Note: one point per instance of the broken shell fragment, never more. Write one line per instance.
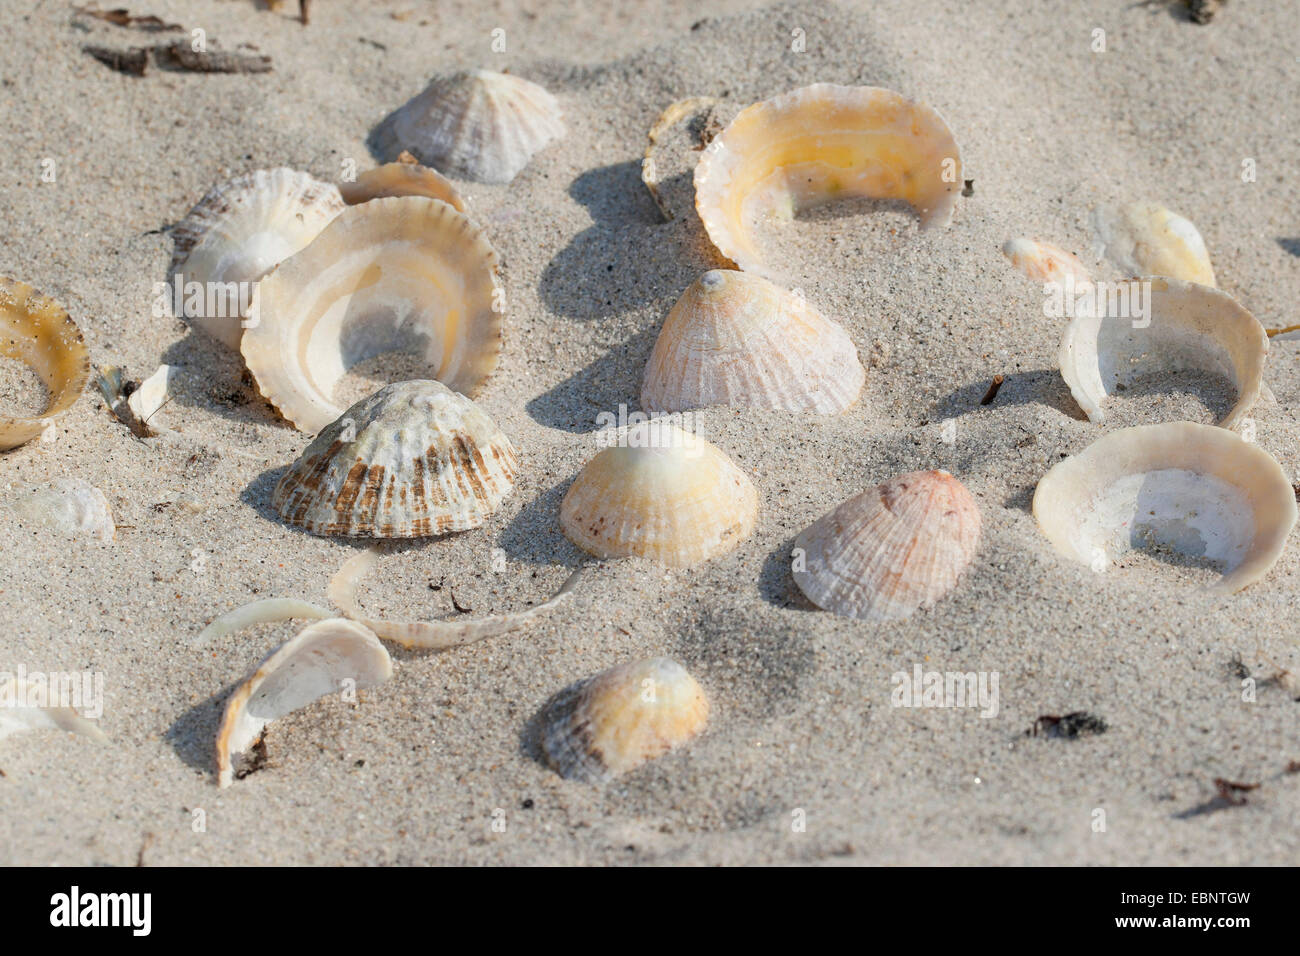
(478, 124)
(154, 392)
(315, 663)
(401, 179)
(894, 548)
(1145, 238)
(37, 331)
(617, 720)
(25, 705)
(656, 163)
(1196, 490)
(1186, 327)
(412, 460)
(393, 274)
(238, 233)
(819, 143)
(738, 339)
(70, 506)
(660, 493)
(1044, 262)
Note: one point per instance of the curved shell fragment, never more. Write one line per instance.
(24, 706)
(401, 179)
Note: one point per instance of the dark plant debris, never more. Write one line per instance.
(992, 393)
(1203, 11)
(178, 55)
(121, 17)
(1078, 723)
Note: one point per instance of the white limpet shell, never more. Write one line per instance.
(1043, 261)
(401, 178)
(1199, 490)
(37, 331)
(478, 124)
(659, 493)
(393, 274)
(738, 339)
(895, 548)
(1190, 326)
(617, 720)
(21, 710)
(238, 233)
(70, 506)
(1145, 238)
(315, 663)
(412, 460)
(819, 143)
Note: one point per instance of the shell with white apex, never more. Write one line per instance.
(412, 460)
(393, 274)
(236, 234)
(478, 124)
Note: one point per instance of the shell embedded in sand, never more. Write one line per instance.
(738, 339)
(401, 179)
(661, 493)
(37, 331)
(621, 718)
(892, 549)
(1197, 490)
(819, 143)
(70, 506)
(477, 124)
(25, 705)
(1043, 261)
(324, 658)
(394, 274)
(1189, 327)
(654, 165)
(413, 459)
(1145, 238)
(238, 233)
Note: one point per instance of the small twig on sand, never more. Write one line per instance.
(992, 393)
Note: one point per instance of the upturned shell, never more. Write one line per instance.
(1197, 490)
(238, 233)
(819, 143)
(35, 330)
(401, 179)
(394, 274)
(1145, 238)
(617, 720)
(892, 549)
(738, 339)
(477, 124)
(70, 506)
(413, 459)
(660, 493)
(1044, 262)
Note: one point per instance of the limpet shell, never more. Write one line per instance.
(660, 493)
(617, 720)
(37, 331)
(819, 143)
(70, 506)
(890, 550)
(239, 232)
(738, 339)
(1198, 490)
(399, 273)
(401, 179)
(1043, 261)
(1145, 238)
(412, 460)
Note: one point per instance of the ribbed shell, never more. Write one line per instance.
(622, 717)
(1145, 238)
(243, 229)
(393, 274)
(890, 550)
(477, 124)
(679, 502)
(738, 339)
(401, 179)
(412, 460)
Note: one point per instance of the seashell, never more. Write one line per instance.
(238, 233)
(1198, 490)
(617, 720)
(154, 392)
(24, 707)
(69, 506)
(1145, 238)
(401, 179)
(738, 339)
(37, 331)
(819, 143)
(412, 460)
(478, 124)
(656, 159)
(1044, 262)
(1189, 326)
(660, 493)
(406, 273)
(301, 670)
(892, 549)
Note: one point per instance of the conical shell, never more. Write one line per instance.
(1044, 262)
(238, 233)
(617, 720)
(819, 143)
(1195, 489)
(738, 339)
(892, 549)
(37, 331)
(394, 274)
(401, 179)
(1145, 238)
(660, 493)
(413, 459)
(477, 124)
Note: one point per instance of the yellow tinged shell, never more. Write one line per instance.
(1145, 238)
(1044, 262)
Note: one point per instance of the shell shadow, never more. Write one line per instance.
(611, 380)
(193, 734)
(1291, 245)
(214, 379)
(533, 536)
(776, 581)
(257, 494)
(533, 730)
(1038, 387)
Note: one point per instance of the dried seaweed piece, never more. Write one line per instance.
(1203, 11)
(1077, 723)
(1232, 792)
(133, 61)
(179, 55)
(121, 17)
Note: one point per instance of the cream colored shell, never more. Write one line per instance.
(401, 179)
(37, 331)
(1043, 261)
(1145, 238)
